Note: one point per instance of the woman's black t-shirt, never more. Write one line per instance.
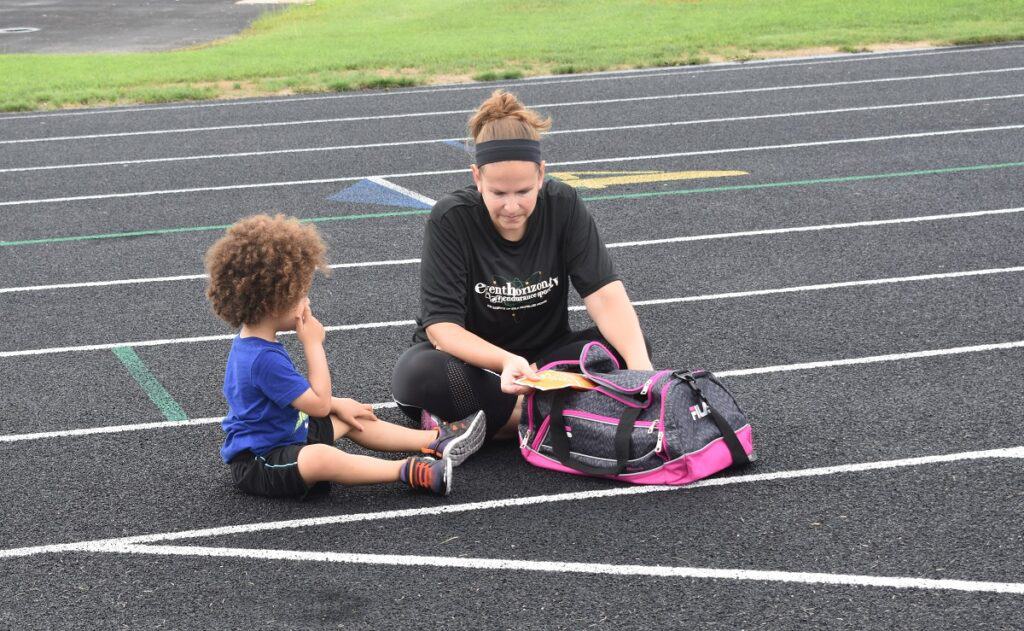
(514, 294)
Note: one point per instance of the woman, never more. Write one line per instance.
(497, 260)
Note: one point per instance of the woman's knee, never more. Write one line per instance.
(420, 370)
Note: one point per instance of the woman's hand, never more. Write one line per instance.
(515, 367)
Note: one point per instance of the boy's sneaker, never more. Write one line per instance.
(460, 440)
(429, 421)
(425, 473)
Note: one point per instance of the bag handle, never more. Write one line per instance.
(560, 440)
(739, 455)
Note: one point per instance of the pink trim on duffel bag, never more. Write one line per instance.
(618, 397)
(707, 461)
(541, 432)
(586, 348)
(651, 384)
(600, 418)
(542, 461)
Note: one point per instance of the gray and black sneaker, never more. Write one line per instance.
(460, 440)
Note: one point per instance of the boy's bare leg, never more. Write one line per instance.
(326, 463)
(511, 429)
(384, 436)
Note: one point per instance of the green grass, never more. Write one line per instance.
(353, 44)
(497, 76)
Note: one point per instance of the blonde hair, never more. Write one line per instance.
(504, 117)
(262, 266)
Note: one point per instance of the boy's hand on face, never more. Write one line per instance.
(308, 329)
(352, 412)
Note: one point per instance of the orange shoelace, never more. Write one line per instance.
(420, 475)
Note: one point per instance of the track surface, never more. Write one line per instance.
(91, 26)
(767, 274)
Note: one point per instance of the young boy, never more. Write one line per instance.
(281, 427)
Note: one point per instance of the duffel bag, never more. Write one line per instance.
(644, 427)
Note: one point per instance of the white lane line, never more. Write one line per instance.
(108, 429)
(193, 340)
(612, 75)
(815, 228)
(242, 154)
(403, 191)
(874, 359)
(840, 285)
(132, 427)
(568, 567)
(167, 279)
(660, 156)
(621, 244)
(189, 130)
(515, 502)
(349, 119)
(432, 141)
(639, 303)
(658, 301)
(742, 372)
(799, 145)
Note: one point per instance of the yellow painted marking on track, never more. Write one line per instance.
(604, 179)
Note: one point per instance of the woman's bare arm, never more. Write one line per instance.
(611, 311)
(473, 349)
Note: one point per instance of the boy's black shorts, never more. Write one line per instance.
(276, 474)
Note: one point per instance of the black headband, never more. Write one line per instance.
(504, 150)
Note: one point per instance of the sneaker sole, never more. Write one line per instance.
(448, 477)
(468, 444)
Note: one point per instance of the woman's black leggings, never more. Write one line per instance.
(426, 378)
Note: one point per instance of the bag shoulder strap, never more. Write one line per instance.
(560, 440)
(739, 455)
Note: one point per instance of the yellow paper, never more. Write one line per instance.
(557, 379)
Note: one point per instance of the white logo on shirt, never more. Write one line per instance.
(513, 294)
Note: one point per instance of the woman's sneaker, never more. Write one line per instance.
(460, 440)
(427, 474)
(429, 421)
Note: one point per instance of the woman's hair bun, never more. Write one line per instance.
(504, 117)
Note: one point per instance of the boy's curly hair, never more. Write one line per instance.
(262, 266)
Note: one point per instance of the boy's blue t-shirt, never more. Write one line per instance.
(260, 384)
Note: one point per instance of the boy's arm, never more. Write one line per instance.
(316, 401)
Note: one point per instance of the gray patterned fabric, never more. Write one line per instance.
(684, 428)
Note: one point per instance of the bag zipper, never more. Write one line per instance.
(659, 447)
(526, 438)
(611, 421)
(647, 387)
(632, 392)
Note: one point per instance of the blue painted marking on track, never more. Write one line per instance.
(464, 146)
(367, 192)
